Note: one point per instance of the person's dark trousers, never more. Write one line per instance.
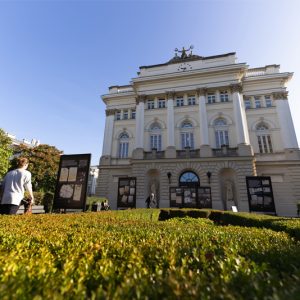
(8, 209)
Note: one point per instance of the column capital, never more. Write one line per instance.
(236, 88)
(280, 95)
(140, 98)
(201, 92)
(170, 95)
(110, 111)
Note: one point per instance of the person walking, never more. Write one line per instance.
(15, 183)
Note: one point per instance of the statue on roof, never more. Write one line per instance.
(184, 52)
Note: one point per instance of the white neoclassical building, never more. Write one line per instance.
(201, 132)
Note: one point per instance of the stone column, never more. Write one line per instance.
(138, 152)
(170, 150)
(288, 134)
(241, 125)
(205, 149)
(108, 136)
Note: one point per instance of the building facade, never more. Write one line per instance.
(192, 130)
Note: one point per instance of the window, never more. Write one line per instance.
(188, 178)
(125, 114)
(224, 96)
(155, 137)
(133, 114)
(211, 98)
(264, 138)
(123, 145)
(161, 103)
(150, 104)
(221, 132)
(257, 102)
(268, 101)
(247, 102)
(179, 101)
(187, 135)
(118, 115)
(191, 100)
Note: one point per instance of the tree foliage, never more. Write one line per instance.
(43, 165)
(5, 152)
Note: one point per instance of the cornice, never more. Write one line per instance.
(224, 68)
(286, 76)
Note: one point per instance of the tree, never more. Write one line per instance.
(5, 152)
(43, 165)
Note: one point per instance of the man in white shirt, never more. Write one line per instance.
(14, 185)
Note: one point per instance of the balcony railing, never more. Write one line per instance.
(187, 153)
(225, 151)
(154, 154)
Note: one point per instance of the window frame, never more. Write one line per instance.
(191, 100)
(150, 104)
(161, 103)
(179, 101)
(224, 96)
(123, 148)
(155, 136)
(264, 139)
(211, 98)
(221, 133)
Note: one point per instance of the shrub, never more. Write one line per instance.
(289, 225)
(38, 197)
(128, 255)
(48, 202)
(166, 214)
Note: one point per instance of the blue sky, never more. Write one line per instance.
(58, 57)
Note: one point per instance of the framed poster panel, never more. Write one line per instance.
(204, 197)
(72, 179)
(176, 194)
(127, 192)
(189, 197)
(260, 194)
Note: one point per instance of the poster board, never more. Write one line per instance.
(204, 197)
(260, 194)
(193, 197)
(72, 180)
(176, 194)
(189, 197)
(127, 192)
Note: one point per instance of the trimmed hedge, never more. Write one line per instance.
(288, 225)
(166, 214)
(129, 255)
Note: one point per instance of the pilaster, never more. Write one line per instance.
(239, 115)
(170, 150)
(139, 123)
(286, 122)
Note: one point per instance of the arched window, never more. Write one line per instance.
(264, 138)
(221, 132)
(155, 136)
(189, 179)
(123, 145)
(187, 135)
